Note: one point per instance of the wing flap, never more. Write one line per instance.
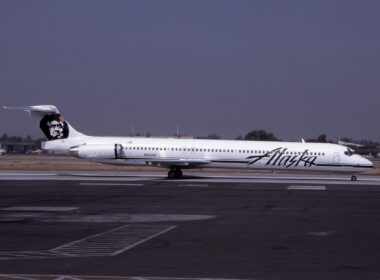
(178, 162)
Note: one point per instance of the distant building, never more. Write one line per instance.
(17, 147)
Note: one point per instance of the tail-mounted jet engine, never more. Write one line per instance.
(109, 151)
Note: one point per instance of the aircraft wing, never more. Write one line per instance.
(189, 163)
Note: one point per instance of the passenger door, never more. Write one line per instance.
(336, 157)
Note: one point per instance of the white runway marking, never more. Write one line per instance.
(112, 184)
(91, 277)
(28, 174)
(143, 240)
(311, 188)
(108, 243)
(28, 255)
(39, 209)
(321, 233)
(194, 185)
(101, 218)
(112, 242)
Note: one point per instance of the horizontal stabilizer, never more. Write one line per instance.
(39, 109)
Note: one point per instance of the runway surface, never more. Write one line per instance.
(207, 226)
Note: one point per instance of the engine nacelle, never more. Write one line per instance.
(100, 151)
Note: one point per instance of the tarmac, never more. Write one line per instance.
(140, 225)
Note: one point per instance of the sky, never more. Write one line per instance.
(295, 68)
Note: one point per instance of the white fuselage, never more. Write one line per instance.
(177, 154)
(194, 153)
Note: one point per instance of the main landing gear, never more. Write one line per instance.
(175, 173)
(354, 178)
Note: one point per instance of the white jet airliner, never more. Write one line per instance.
(178, 154)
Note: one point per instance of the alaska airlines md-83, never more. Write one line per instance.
(178, 154)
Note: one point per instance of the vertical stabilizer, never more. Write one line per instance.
(51, 122)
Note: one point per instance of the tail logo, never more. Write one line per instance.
(54, 127)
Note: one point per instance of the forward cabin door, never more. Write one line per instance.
(336, 157)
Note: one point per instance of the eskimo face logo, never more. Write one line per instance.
(54, 127)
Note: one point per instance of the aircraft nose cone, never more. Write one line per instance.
(367, 162)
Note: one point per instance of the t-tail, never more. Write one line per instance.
(54, 127)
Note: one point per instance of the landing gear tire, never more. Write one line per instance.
(353, 178)
(175, 174)
(179, 173)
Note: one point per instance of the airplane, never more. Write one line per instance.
(178, 154)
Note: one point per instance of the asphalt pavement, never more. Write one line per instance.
(143, 226)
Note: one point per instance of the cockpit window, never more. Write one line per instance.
(349, 152)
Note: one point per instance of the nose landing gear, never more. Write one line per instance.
(353, 178)
(175, 173)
